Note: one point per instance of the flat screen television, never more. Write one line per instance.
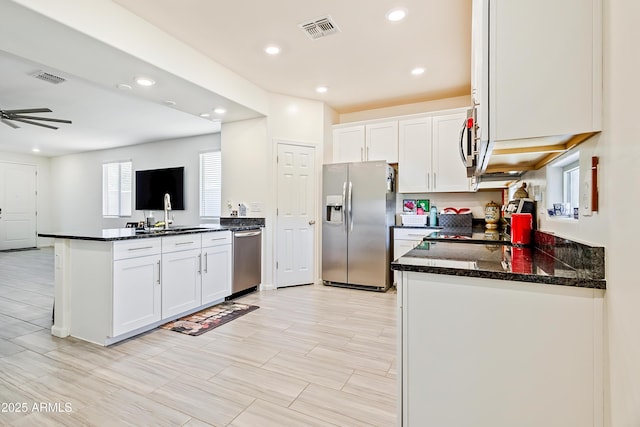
(151, 186)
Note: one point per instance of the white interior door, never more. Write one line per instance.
(17, 206)
(295, 240)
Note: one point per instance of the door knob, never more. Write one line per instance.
(311, 222)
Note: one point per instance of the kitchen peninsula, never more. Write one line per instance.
(494, 334)
(113, 284)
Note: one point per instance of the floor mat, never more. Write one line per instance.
(209, 318)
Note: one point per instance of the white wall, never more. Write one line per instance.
(592, 229)
(616, 225)
(43, 187)
(249, 169)
(245, 166)
(620, 203)
(474, 201)
(77, 181)
(402, 110)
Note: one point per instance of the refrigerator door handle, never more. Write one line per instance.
(344, 206)
(350, 206)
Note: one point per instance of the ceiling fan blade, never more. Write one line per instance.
(19, 116)
(8, 123)
(29, 110)
(34, 123)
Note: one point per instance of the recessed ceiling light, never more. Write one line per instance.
(395, 15)
(205, 115)
(418, 71)
(145, 81)
(322, 89)
(272, 50)
(123, 86)
(35, 150)
(219, 111)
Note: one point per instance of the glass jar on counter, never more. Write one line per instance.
(491, 215)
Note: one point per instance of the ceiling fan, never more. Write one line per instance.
(9, 116)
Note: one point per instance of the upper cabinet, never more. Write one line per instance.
(366, 142)
(429, 154)
(536, 74)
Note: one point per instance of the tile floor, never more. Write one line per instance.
(310, 356)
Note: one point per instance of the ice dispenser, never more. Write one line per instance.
(334, 209)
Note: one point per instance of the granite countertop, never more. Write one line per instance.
(112, 234)
(499, 260)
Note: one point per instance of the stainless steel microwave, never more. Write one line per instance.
(469, 141)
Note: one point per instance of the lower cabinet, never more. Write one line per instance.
(484, 352)
(181, 285)
(216, 270)
(136, 293)
(405, 239)
(161, 278)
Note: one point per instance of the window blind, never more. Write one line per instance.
(116, 189)
(210, 184)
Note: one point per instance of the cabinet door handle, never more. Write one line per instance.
(200, 264)
(184, 243)
(159, 272)
(140, 248)
(361, 154)
(367, 152)
(206, 262)
(428, 181)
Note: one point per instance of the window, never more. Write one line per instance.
(116, 189)
(210, 184)
(571, 187)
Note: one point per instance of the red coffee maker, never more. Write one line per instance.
(521, 226)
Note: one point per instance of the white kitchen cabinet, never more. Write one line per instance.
(135, 284)
(366, 142)
(537, 67)
(449, 173)
(136, 293)
(348, 144)
(381, 142)
(181, 274)
(429, 154)
(217, 266)
(482, 352)
(414, 155)
(405, 239)
(110, 291)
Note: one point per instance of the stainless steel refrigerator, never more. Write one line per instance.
(359, 206)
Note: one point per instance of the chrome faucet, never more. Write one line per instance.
(167, 208)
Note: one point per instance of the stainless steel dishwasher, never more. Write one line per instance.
(247, 260)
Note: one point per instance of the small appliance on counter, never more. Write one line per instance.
(518, 206)
(521, 227)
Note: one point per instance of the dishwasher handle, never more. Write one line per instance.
(246, 233)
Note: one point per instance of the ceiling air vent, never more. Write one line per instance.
(48, 77)
(319, 27)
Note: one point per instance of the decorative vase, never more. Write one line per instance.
(491, 215)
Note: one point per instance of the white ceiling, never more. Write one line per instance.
(101, 118)
(366, 65)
